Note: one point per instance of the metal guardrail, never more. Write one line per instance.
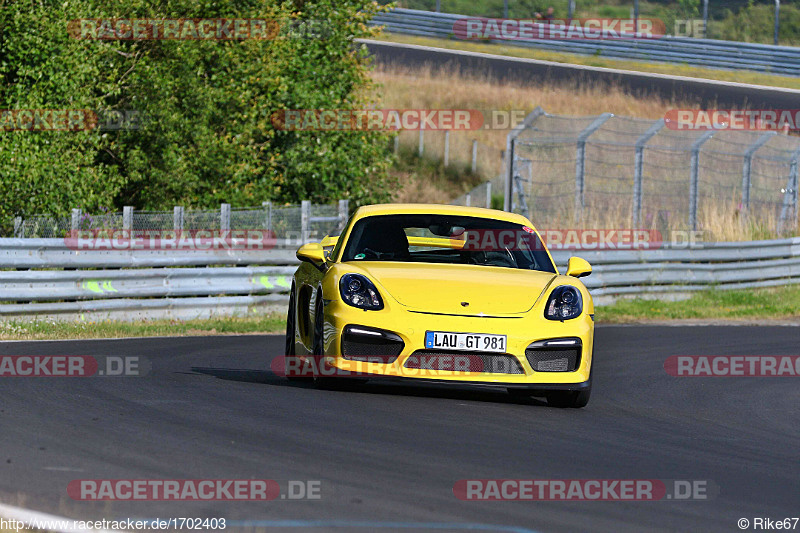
(54, 253)
(141, 285)
(722, 265)
(683, 50)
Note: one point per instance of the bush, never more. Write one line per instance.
(208, 136)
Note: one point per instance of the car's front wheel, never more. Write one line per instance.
(570, 399)
(321, 381)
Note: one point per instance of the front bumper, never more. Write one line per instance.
(520, 330)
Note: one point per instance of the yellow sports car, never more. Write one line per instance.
(445, 294)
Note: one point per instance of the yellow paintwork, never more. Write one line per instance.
(312, 251)
(578, 267)
(419, 297)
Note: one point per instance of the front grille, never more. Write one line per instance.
(553, 359)
(456, 361)
(371, 348)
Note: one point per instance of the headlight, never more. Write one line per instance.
(565, 303)
(358, 291)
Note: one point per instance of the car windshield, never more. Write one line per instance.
(447, 239)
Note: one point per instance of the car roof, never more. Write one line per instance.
(439, 209)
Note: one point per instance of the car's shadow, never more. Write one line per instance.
(429, 390)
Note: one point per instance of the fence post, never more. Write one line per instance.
(225, 216)
(75, 221)
(789, 207)
(474, 156)
(397, 144)
(694, 177)
(705, 20)
(580, 162)
(305, 215)
(488, 195)
(18, 227)
(127, 218)
(468, 199)
(177, 218)
(344, 210)
(421, 141)
(747, 164)
(637, 169)
(446, 147)
(267, 215)
(777, 19)
(509, 153)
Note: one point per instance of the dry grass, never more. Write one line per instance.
(428, 89)
(665, 191)
(403, 88)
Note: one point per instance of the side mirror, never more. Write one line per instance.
(328, 241)
(311, 252)
(578, 267)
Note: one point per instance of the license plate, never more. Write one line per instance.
(468, 342)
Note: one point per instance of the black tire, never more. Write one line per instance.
(318, 351)
(327, 382)
(569, 399)
(520, 394)
(572, 399)
(289, 345)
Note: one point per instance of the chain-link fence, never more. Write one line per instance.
(455, 149)
(305, 221)
(613, 172)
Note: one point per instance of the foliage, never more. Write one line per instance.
(756, 23)
(207, 136)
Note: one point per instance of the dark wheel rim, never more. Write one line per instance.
(290, 327)
(318, 327)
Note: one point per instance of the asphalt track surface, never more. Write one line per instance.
(706, 94)
(388, 455)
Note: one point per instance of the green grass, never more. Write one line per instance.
(42, 329)
(778, 303)
(739, 76)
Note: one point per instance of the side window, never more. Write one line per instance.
(339, 243)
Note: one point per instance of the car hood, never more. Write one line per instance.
(444, 289)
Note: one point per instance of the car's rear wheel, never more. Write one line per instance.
(289, 363)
